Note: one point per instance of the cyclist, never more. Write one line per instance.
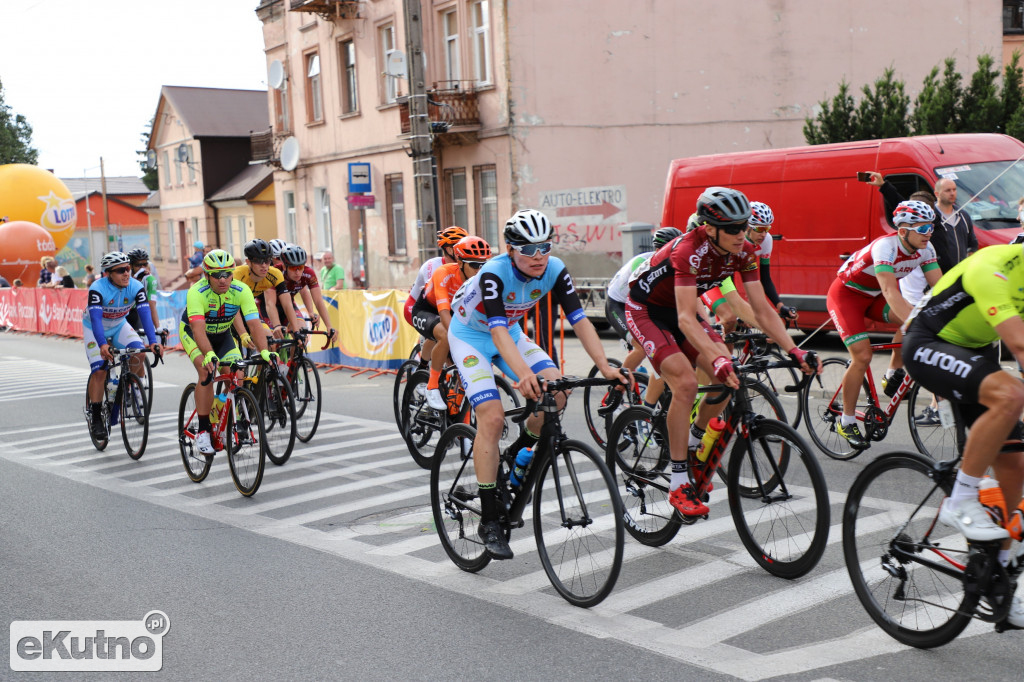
(267, 285)
(951, 348)
(662, 315)
(485, 330)
(615, 311)
(446, 241)
(867, 287)
(276, 247)
(205, 330)
(432, 314)
(139, 259)
(301, 279)
(104, 322)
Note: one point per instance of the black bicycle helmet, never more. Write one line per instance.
(257, 248)
(138, 256)
(293, 255)
(723, 206)
(665, 235)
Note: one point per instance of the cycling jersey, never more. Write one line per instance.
(443, 285)
(715, 297)
(969, 301)
(149, 282)
(306, 279)
(500, 295)
(424, 275)
(274, 280)
(618, 288)
(108, 307)
(885, 254)
(218, 310)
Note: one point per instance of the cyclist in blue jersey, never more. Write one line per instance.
(485, 330)
(105, 323)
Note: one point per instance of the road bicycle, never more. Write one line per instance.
(776, 490)
(822, 405)
(236, 426)
(921, 581)
(402, 376)
(147, 379)
(422, 425)
(304, 378)
(576, 513)
(124, 402)
(276, 398)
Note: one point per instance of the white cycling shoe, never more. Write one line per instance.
(203, 444)
(435, 400)
(970, 518)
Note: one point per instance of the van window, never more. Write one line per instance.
(906, 184)
(988, 191)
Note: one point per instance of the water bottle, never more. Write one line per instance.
(522, 463)
(991, 497)
(714, 430)
(218, 403)
(112, 387)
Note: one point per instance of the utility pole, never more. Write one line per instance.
(419, 125)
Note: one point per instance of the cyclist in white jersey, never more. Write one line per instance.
(446, 241)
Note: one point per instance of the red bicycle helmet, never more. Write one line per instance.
(450, 236)
(472, 248)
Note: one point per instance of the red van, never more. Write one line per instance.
(823, 214)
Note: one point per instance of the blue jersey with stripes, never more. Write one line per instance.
(114, 301)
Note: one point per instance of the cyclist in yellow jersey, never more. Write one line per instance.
(951, 347)
(205, 330)
(267, 285)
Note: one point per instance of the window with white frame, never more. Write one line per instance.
(191, 167)
(289, 217)
(479, 13)
(486, 181)
(229, 228)
(458, 204)
(282, 120)
(347, 59)
(158, 251)
(450, 22)
(322, 208)
(177, 167)
(172, 239)
(314, 100)
(394, 189)
(195, 229)
(166, 166)
(389, 84)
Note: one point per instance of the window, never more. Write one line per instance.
(1013, 16)
(195, 229)
(158, 251)
(166, 167)
(191, 167)
(314, 102)
(172, 251)
(906, 184)
(450, 21)
(347, 59)
(229, 244)
(480, 18)
(457, 212)
(282, 117)
(243, 231)
(486, 181)
(394, 190)
(389, 85)
(322, 215)
(177, 167)
(289, 217)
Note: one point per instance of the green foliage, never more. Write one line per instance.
(985, 110)
(149, 175)
(836, 122)
(15, 136)
(1013, 88)
(883, 111)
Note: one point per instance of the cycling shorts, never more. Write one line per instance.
(121, 336)
(473, 352)
(950, 371)
(425, 318)
(656, 329)
(848, 310)
(223, 344)
(615, 313)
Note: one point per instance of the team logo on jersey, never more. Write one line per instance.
(649, 348)
(1001, 276)
(535, 294)
(462, 311)
(92, 344)
(471, 361)
(511, 297)
(992, 310)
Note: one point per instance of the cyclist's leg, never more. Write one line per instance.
(847, 309)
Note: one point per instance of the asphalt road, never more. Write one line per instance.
(333, 569)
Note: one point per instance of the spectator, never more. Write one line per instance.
(48, 265)
(63, 279)
(17, 284)
(195, 262)
(90, 276)
(332, 275)
(4, 284)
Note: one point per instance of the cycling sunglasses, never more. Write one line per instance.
(119, 271)
(530, 250)
(734, 229)
(261, 261)
(221, 274)
(760, 228)
(921, 229)
(476, 265)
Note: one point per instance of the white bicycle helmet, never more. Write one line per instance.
(527, 226)
(761, 214)
(113, 259)
(911, 212)
(277, 246)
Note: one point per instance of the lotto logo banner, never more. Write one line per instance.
(371, 329)
(89, 645)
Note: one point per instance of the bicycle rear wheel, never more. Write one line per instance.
(638, 456)
(134, 416)
(278, 417)
(822, 404)
(930, 438)
(894, 548)
(577, 522)
(147, 380)
(308, 400)
(99, 443)
(245, 441)
(455, 498)
(197, 466)
(422, 423)
(778, 499)
(402, 377)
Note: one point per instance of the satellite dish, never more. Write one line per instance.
(396, 66)
(290, 154)
(151, 159)
(276, 75)
(183, 153)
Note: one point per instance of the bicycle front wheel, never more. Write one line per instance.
(638, 456)
(134, 415)
(930, 436)
(421, 423)
(402, 377)
(577, 523)
(147, 381)
(278, 418)
(197, 465)
(308, 400)
(245, 441)
(455, 498)
(822, 404)
(777, 380)
(904, 563)
(781, 511)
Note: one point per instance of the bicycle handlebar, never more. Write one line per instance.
(756, 366)
(568, 383)
(254, 361)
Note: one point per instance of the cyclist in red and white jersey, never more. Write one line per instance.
(662, 316)
(867, 287)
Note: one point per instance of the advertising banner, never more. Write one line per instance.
(371, 330)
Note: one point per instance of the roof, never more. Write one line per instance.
(152, 201)
(117, 185)
(247, 184)
(217, 112)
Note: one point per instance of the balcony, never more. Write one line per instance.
(261, 145)
(329, 10)
(452, 111)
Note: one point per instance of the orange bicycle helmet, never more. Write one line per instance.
(472, 248)
(449, 236)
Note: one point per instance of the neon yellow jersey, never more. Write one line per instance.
(217, 311)
(980, 292)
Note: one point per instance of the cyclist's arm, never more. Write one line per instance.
(321, 306)
(932, 275)
(198, 326)
(768, 284)
(739, 306)
(307, 302)
(587, 335)
(96, 317)
(768, 319)
(446, 317)
(288, 305)
(145, 316)
(890, 287)
(256, 332)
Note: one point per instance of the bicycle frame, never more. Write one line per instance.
(894, 402)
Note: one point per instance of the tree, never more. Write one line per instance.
(883, 111)
(836, 122)
(985, 111)
(149, 175)
(938, 107)
(1012, 93)
(15, 136)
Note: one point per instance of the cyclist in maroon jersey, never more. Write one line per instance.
(662, 315)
